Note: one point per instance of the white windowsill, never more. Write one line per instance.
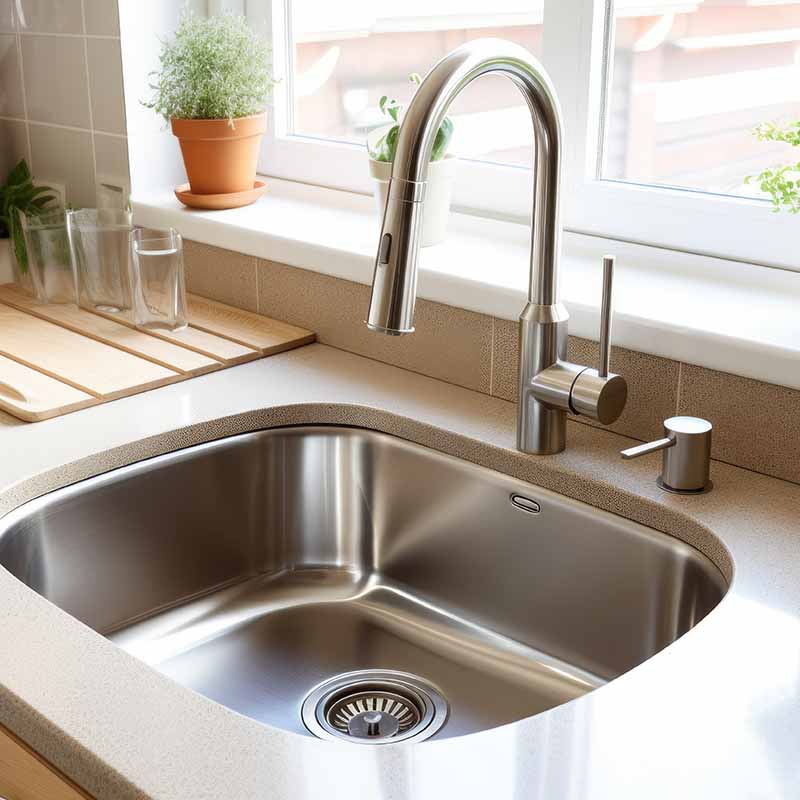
(724, 315)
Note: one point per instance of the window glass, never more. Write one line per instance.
(349, 53)
(690, 81)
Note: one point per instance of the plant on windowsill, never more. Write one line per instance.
(19, 195)
(382, 146)
(782, 183)
(212, 87)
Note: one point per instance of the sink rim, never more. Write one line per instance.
(24, 508)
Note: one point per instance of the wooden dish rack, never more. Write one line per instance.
(55, 359)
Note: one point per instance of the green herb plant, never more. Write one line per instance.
(782, 183)
(215, 68)
(385, 147)
(19, 196)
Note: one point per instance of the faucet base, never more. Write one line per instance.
(545, 429)
(389, 331)
(541, 426)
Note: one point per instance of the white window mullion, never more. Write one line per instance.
(573, 55)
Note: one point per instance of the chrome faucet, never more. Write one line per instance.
(549, 385)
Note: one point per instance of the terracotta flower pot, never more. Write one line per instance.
(220, 159)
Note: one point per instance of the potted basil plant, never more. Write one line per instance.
(382, 146)
(212, 87)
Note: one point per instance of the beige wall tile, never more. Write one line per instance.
(221, 275)
(505, 355)
(111, 159)
(756, 425)
(52, 16)
(55, 80)
(7, 16)
(11, 100)
(65, 156)
(102, 17)
(13, 145)
(105, 83)
(652, 381)
(449, 343)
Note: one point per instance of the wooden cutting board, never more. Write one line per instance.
(90, 366)
(55, 359)
(206, 344)
(33, 396)
(251, 330)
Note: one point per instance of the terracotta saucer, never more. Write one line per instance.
(219, 201)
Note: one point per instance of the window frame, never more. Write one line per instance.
(577, 38)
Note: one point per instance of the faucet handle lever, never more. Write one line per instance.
(598, 393)
(647, 448)
(605, 317)
(686, 459)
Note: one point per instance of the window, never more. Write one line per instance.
(347, 55)
(690, 84)
(660, 98)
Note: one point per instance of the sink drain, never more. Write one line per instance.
(375, 707)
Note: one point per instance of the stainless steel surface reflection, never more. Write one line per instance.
(255, 568)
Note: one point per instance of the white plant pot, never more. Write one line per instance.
(6, 268)
(437, 196)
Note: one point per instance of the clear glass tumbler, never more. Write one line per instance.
(99, 240)
(159, 289)
(48, 257)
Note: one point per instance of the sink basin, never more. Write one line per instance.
(343, 583)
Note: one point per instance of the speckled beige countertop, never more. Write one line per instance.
(716, 715)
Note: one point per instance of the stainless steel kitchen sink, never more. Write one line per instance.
(343, 583)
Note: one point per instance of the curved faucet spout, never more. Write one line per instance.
(549, 386)
(395, 279)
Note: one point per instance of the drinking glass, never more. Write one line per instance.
(159, 290)
(47, 251)
(100, 250)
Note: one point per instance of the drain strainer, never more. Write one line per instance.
(375, 707)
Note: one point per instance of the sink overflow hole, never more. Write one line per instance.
(525, 504)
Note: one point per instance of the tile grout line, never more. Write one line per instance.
(491, 359)
(18, 38)
(89, 91)
(63, 127)
(65, 35)
(679, 389)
